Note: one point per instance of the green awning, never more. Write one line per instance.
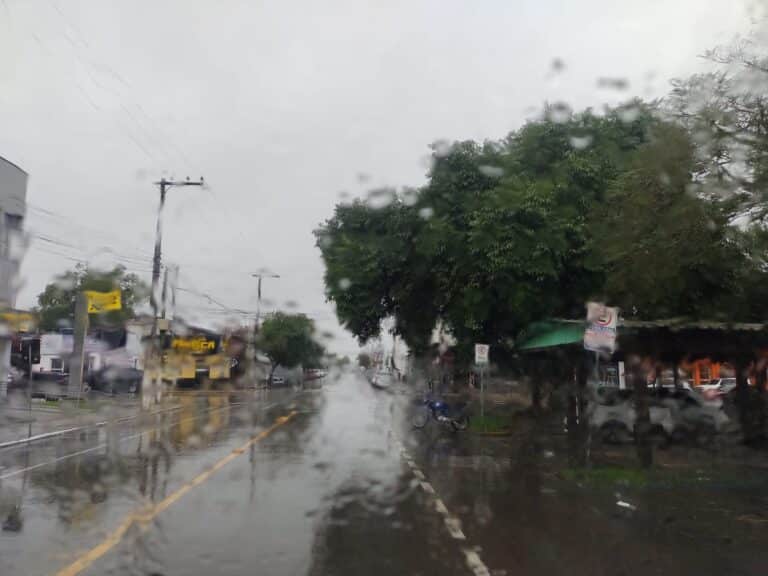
(551, 333)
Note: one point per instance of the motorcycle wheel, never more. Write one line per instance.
(460, 423)
(421, 418)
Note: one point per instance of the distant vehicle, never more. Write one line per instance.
(314, 374)
(117, 380)
(277, 381)
(383, 379)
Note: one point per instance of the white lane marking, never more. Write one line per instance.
(48, 462)
(454, 527)
(452, 523)
(427, 487)
(119, 439)
(440, 507)
(475, 564)
(102, 424)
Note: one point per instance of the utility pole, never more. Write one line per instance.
(164, 186)
(153, 358)
(75, 383)
(251, 349)
(258, 300)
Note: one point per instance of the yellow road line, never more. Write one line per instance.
(144, 516)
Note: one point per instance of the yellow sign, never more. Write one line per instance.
(18, 321)
(103, 301)
(197, 345)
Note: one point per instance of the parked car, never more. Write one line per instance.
(669, 384)
(718, 387)
(117, 380)
(693, 413)
(15, 378)
(277, 381)
(612, 413)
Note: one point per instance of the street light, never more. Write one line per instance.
(258, 301)
(251, 350)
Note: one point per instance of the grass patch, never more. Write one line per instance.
(491, 423)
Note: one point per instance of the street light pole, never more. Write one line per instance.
(164, 186)
(251, 350)
(151, 387)
(258, 301)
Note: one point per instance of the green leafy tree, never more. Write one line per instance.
(726, 112)
(56, 304)
(288, 341)
(667, 252)
(497, 238)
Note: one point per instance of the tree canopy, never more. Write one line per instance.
(56, 303)
(288, 340)
(637, 206)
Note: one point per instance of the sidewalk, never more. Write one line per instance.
(19, 419)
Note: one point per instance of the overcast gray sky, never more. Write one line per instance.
(284, 105)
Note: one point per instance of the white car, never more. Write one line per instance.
(383, 379)
(694, 412)
(614, 413)
(718, 387)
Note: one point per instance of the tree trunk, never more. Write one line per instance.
(760, 416)
(742, 400)
(675, 374)
(272, 367)
(643, 414)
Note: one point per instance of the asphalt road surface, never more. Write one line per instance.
(312, 482)
(333, 481)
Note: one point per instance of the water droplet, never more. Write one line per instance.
(629, 114)
(557, 66)
(491, 171)
(381, 198)
(607, 83)
(345, 283)
(442, 148)
(558, 112)
(410, 196)
(426, 213)
(581, 142)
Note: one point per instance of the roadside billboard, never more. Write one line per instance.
(600, 332)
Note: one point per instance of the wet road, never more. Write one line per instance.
(333, 481)
(291, 483)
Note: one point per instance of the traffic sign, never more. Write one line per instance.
(481, 353)
(103, 301)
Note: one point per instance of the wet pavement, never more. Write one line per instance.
(334, 481)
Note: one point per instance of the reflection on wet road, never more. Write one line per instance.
(323, 493)
(333, 481)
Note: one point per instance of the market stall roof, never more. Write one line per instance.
(551, 333)
(674, 337)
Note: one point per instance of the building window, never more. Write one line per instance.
(56, 365)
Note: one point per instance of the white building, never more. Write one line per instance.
(13, 203)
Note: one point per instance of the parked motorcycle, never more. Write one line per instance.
(453, 416)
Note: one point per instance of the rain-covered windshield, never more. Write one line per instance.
(426, 287)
